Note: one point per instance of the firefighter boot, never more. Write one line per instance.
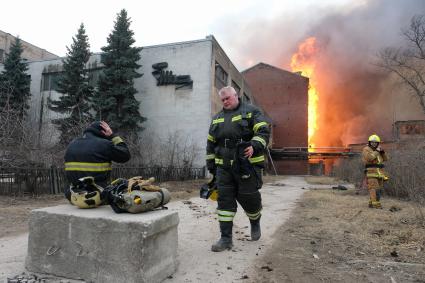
(255, 229)
(372, 197)
(225, 242)
(377, 204)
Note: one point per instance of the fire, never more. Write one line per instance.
(304, 61)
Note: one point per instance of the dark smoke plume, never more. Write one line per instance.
(355, 98)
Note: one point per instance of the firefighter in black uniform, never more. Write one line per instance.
(237, 138)
(92, 155)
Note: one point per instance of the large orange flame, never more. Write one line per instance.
(304, 61)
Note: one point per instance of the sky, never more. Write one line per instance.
(51, 24)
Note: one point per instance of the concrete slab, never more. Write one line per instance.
(102, 246)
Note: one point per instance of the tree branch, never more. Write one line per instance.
(408, 63)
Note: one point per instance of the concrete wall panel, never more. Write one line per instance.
(98, 245)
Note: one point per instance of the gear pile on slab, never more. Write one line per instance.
(132, 195)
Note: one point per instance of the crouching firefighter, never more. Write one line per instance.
(92, 155)
(237, 138)
(373, 157)
(136, 195)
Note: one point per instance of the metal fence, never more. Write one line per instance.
(36, 181)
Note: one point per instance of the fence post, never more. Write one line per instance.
(204, 173)
(51, 180)
(54, 182)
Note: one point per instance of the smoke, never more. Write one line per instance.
(353, 97)
(353, 102)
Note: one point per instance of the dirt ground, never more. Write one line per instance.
(333, 236)
(14, 211)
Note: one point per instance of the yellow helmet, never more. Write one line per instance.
(86, 194)
(86, 199)
(374, 138)
(209, 190)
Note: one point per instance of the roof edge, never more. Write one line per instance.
(273, 67)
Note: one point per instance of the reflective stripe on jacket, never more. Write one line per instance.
(88, 166)
(246, 123)
(93, 156)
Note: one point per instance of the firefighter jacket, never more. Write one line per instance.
(92, 155)
(374, 163)
(230, 127)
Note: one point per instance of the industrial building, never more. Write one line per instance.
(283, 95)
(178, 92)
(178, 96)
(30, 51)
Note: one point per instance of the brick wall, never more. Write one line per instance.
(284, 97)
(30, 52)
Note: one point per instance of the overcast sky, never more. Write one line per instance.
(50, 24)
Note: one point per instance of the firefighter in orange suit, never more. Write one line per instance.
(373, 157)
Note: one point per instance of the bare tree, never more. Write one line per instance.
(175, 150)
(22, 144)
(408, 62)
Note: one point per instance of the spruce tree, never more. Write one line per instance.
(77, 93)
(114, 101)
(15, 82)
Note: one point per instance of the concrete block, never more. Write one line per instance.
(99, 245)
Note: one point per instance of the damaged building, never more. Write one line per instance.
(284, 97)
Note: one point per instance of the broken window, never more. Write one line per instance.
(220, 76)
(236, 87)
(50, 81)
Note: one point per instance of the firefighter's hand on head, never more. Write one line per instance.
(249, 151)
(106, 130)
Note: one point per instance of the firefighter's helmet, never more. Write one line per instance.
(374, 138)
(209, 190)
(86, 194)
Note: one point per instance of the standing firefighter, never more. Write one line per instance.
(373, 157)
(237, 138)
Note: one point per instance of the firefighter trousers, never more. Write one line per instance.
(375, 185)
(232, 189)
